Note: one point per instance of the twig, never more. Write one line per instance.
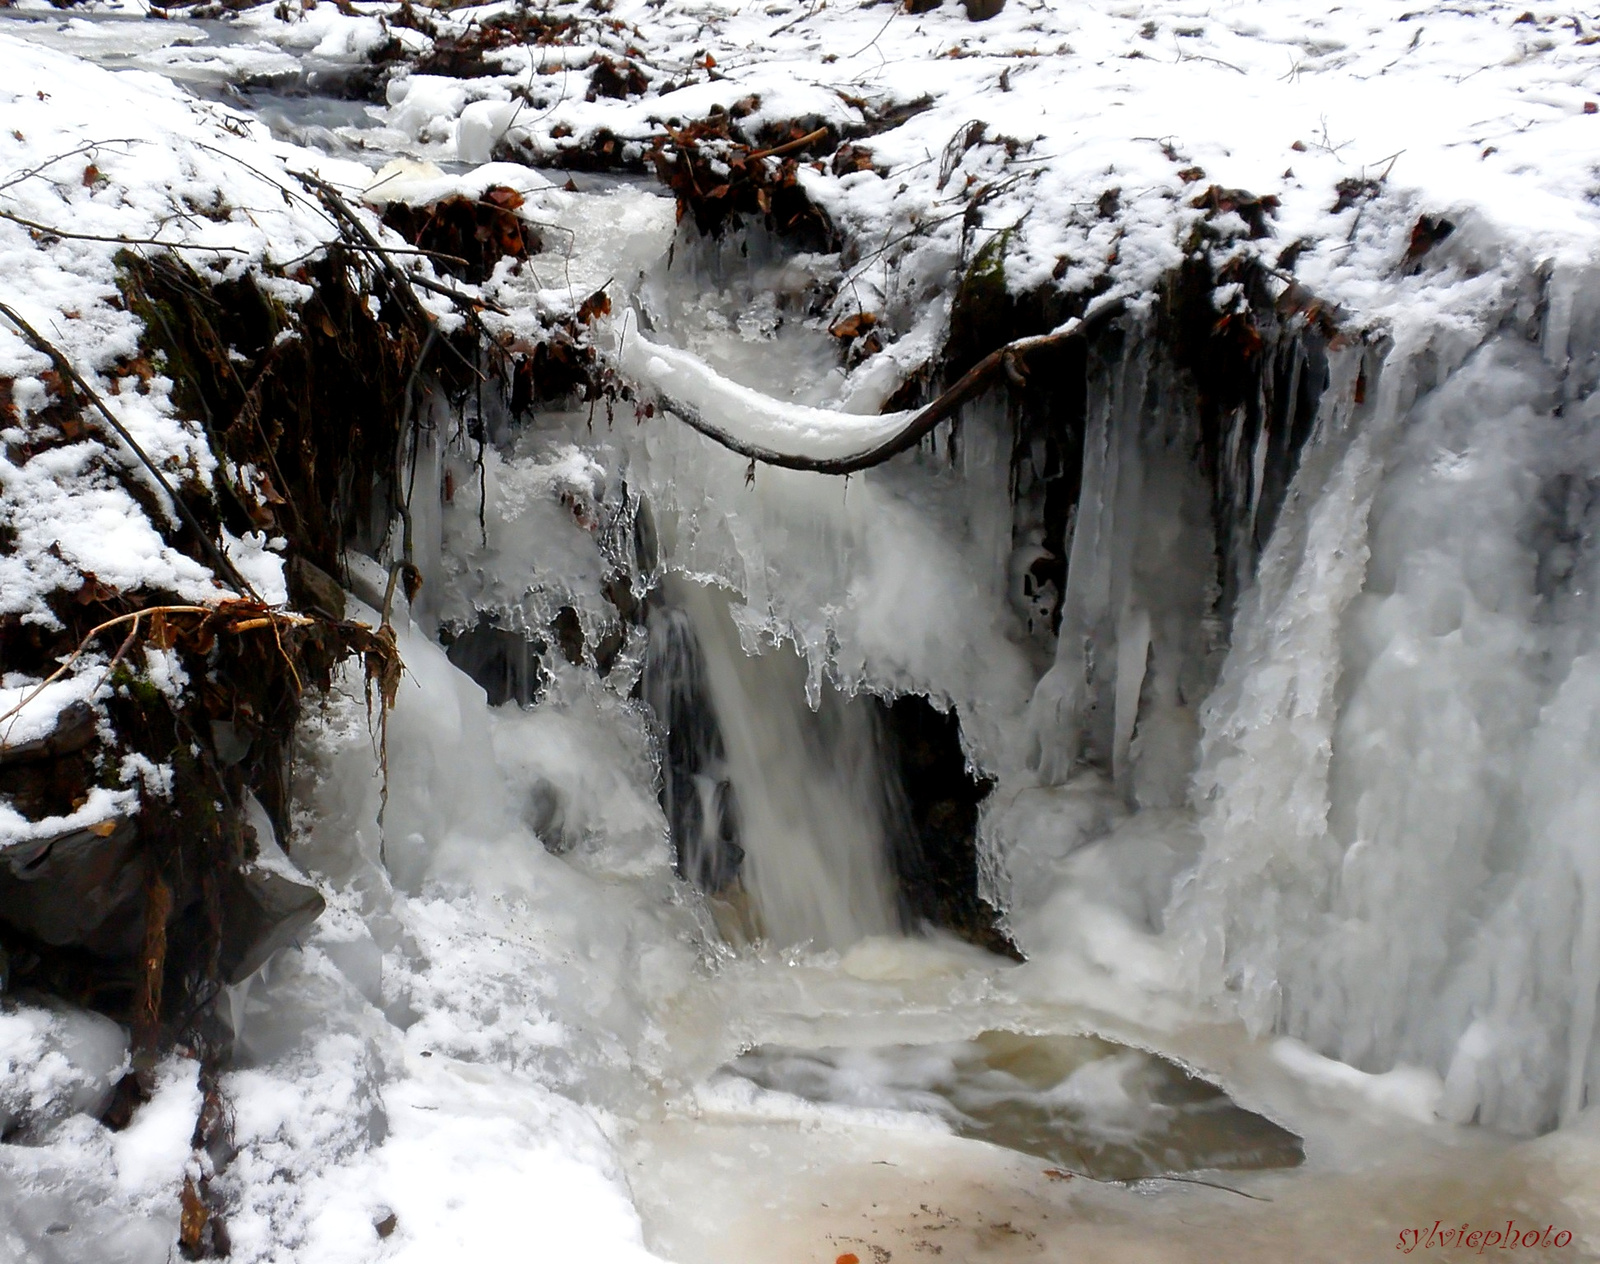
(1215, 61)
(971, 384)
(84, 644)
(64, 367)
(114, 238)
(127, 644)
(777, 151)
(273, 619)
(1195, 1180)
(804, 17)
(71, 153)
(465, 301)
(893, 13)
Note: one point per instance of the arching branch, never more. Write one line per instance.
(971, 384)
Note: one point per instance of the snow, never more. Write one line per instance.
(55, 1062)
(470, 1037)
(747, 414)
(153, 1150)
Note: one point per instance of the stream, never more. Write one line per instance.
(774, 1055)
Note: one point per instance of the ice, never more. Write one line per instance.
(1134, 652)
(886, 582)
(1383, 816)
(748, 415)
(56, 1062)
(1409, 1091)
(1369, 833)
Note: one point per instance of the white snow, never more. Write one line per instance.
(470, 1038)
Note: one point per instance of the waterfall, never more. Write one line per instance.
(1400, 826)
(791, 804)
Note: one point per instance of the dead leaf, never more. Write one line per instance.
(854, 326)
(192, 1220)
(596, 305)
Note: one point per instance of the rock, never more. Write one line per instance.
(75, 729)
(266, 903)
(263, 910)
(312, 588)
(82, 888)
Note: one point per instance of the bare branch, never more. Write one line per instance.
(65, 368)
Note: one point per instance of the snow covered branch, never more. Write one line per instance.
(819, 440)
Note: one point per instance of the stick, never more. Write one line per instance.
(972, 384)
(65, 368)
(244, 625)
(799, 142)
(114, 239)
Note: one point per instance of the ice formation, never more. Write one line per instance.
(1293, 769)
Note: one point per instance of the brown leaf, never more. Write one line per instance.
(162, 634)
(93, 590)
(596, 305)
(192, 1221)
(854, 326)
(505, 198)
(269, 493)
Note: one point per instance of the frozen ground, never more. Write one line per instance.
(507, 1050)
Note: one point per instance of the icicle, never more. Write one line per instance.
(1402, 860)
(1133, 654)
(1067, 712)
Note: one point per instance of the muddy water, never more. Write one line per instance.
(731, 1171)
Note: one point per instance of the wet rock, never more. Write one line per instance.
(264, 909)
(312, 588)
(81, 888)
(502, 660)
(74, 730)
(935, 853)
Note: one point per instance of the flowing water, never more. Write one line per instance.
(1318, 880)
(802, 791)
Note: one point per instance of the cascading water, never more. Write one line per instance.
(1347, 795)
(789, 803)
